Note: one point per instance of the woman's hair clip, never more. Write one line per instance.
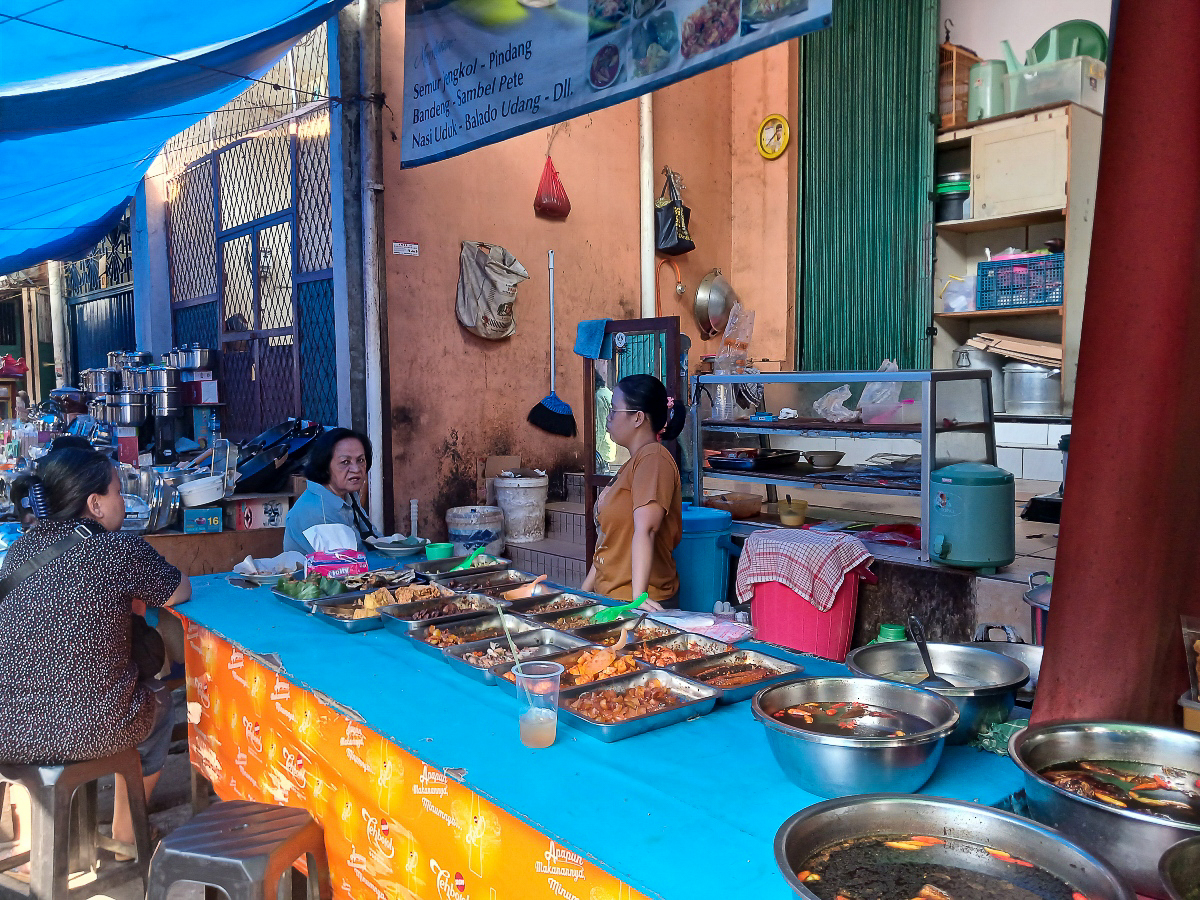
(37, 500)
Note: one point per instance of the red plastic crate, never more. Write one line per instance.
(784, 617)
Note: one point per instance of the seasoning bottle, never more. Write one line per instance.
(890, 633)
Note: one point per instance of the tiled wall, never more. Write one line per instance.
(562, 525)
(559, 569)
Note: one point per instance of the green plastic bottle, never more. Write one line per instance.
(890, 633)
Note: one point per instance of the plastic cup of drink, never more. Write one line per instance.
(538, 684)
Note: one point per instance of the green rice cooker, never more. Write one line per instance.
(972, 521)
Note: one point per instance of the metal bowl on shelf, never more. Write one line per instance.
(835, 765)
(966, 827)
(985, 683)
(1132, 841)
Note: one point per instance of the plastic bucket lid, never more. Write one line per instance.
(700, 519)
(970, 473)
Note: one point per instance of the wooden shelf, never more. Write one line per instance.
(982, 313)
(994, 223)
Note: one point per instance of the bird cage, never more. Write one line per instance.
(954, 77)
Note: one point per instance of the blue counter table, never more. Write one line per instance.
(687, 812)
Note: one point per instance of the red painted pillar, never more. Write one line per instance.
(1130, 534)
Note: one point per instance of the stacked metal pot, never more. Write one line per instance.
(130, 388)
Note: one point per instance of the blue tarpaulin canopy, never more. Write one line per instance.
(90, 92)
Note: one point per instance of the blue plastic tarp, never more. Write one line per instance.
(90, 92)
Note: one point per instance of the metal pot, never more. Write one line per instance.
(1013, 646)
(176, 356)
(114, 358)
(127, 408)
(1133, 842)
(139, 358)
(818, 826)
(106, 381)
(973, 358)
(835, 765)
(990, 681)
(1032, 390)
(1179, 869)
(194, 357)
(714, 299)
(98, 407)
(140, 380)
(163, 401)
(159, 377)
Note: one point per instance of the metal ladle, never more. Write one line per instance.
(918, 634)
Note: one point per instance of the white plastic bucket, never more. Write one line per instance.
(523, 500)
(476, 526)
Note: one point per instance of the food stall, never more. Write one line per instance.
(416, 772)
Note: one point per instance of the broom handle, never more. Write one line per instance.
(550, 255)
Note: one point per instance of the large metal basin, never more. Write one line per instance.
(834, 766)
(837, 820)
(986, 682)
(1179, 869)
(1132, 842)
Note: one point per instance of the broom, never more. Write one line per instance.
(552, 414)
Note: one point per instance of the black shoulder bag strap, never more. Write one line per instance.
(361, 523)
(78, 535)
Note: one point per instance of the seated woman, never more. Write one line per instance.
(69, 687)
(639, 517)
(338, 462)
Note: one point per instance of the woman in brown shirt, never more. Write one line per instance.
(639, 517)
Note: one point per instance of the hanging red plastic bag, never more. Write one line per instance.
(551, 198)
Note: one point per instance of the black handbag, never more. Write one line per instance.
(671, 220)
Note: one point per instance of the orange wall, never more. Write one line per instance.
(454, 398)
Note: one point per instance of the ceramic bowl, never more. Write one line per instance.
(823, 459)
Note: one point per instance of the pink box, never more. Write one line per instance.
(336, 563)
(784, 617)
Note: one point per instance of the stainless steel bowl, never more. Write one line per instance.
(989, 681)
(1132, 841)
(834, 766)
(1179, 870)
(818, 826)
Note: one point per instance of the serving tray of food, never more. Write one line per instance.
(352, 613)
(666, 652)
(634, 704)
(491, 583)
(480, 659)
(433, 639)
(609, 633)
(588, 665)
(301, 593)
(438, 611)
(434, 569)
(550, 604)
(737, 675)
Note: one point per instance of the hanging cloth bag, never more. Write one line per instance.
(671, 220)
(551, 200)
(487, 290)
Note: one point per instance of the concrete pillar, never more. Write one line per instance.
(1127, 562)
(58, 323)
(151, 273)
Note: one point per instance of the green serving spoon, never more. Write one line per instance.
(610, 614)
(466, 563)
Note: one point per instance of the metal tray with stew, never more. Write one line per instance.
(440, 611)
(609, 633)
(347, 613)
(434, 639)
(437, 569)
(567, 620)
(738, 675)
(686, 700)
(576, 663)
(491, 583)
(480, 659)
(666, 652)
(550, 604)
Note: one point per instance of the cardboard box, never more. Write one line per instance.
(195, 392)
(200, 519)
(195, 375)
(127, 445)
(259, 512)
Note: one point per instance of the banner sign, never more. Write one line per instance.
(479, 71)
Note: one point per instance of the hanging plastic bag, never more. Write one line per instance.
(832, 406)
(672, 220)
(881, 391)
(551, 200)
(487, 290)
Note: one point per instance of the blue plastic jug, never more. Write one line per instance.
(702, 557)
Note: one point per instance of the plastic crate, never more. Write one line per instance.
(781, 616)
(1020, 283)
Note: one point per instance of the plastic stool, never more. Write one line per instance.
(64, 833)
(243, 848)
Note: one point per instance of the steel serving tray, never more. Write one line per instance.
(436, 569)
(532, 606)
(568, 659)
(400, 578)
(546, 641)
(610, 631)
(698, 699)
(367, 623)
(705, 645)
(469, 605)
(785, 671)
(467, 627)
(556, 619)
(487, 582)
(306, 605)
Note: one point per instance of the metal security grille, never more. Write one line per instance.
(8, 323)
(268, 220)
(191, 233)
(866, 172)
(109, 264)
(318, 350)
(99, 295)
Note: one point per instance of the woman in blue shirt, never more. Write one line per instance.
(337, 467)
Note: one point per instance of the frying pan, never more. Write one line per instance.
(270, 438)
(263, 472)
(714, 299)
